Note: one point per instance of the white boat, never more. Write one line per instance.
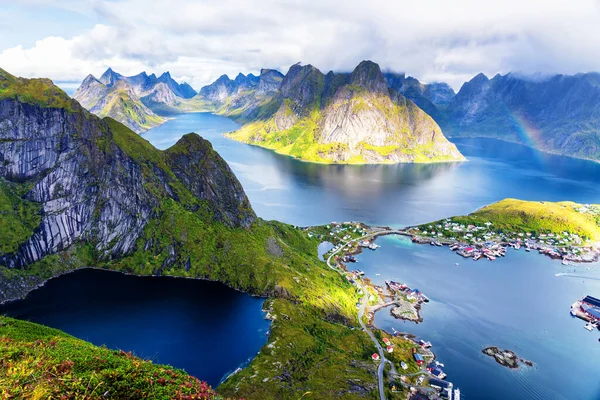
(439, 364)
(589, 326)
(456, 395)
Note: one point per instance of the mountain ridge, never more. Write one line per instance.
(343, 118)
(140, 101)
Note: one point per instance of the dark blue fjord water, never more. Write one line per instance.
(516, 302)
(203, 327)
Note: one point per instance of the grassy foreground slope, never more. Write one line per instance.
(37, 362)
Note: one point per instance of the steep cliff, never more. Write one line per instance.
(559, 114)
(95, 180)
(345, 118)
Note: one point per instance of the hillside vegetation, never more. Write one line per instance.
(37, 362)
(511, 215)
(179, 212)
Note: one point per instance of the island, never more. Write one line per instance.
(506, 358)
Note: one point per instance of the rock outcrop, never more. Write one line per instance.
(96, 180)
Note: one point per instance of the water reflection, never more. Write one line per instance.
(299, 193)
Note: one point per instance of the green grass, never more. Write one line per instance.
(511, 215)
(302, 140)
(18, 217)
(37, 362)
(41, 92)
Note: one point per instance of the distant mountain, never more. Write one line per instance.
(429, 97)
(244, 98)
(560, 114)
(339, 118)
(117, 101)
(136, 100)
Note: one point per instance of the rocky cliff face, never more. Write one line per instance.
(560, 113)
(347, 118)
(96, 180)
(135, 100)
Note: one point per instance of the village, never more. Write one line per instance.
(414, 373)
(483, 242)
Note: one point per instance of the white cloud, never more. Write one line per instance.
(431, 40)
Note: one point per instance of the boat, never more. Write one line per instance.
(456, 394)
(589, 326)
(439, 364)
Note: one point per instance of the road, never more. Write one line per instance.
(361, 313)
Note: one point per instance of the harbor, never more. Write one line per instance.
(588, 309)
(484, 242)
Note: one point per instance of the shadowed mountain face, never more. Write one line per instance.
(135, 100)
(341, 118)
(558, 114)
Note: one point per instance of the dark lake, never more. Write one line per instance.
(203, 327)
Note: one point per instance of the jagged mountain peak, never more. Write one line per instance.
(368, 75)
(109, 77)
(90, 79)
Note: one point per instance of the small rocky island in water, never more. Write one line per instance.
(506, 358)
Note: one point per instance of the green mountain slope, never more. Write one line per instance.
(346, 118)
(101, 196)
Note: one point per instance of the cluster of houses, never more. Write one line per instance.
(476, 242)
(588, 308)
(411, 294)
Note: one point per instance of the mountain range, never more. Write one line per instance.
(135, 101)
(559, 114)
(78, 191)
(295, 116)
(340, 118)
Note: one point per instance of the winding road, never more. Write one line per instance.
(361, 312)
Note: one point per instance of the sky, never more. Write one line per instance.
(197, 41)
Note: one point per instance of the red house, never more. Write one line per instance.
(419, 359)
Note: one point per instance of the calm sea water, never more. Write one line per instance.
(516, 302)
(203, 327)
(305, 194)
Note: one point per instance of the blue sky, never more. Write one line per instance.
(433, 40)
